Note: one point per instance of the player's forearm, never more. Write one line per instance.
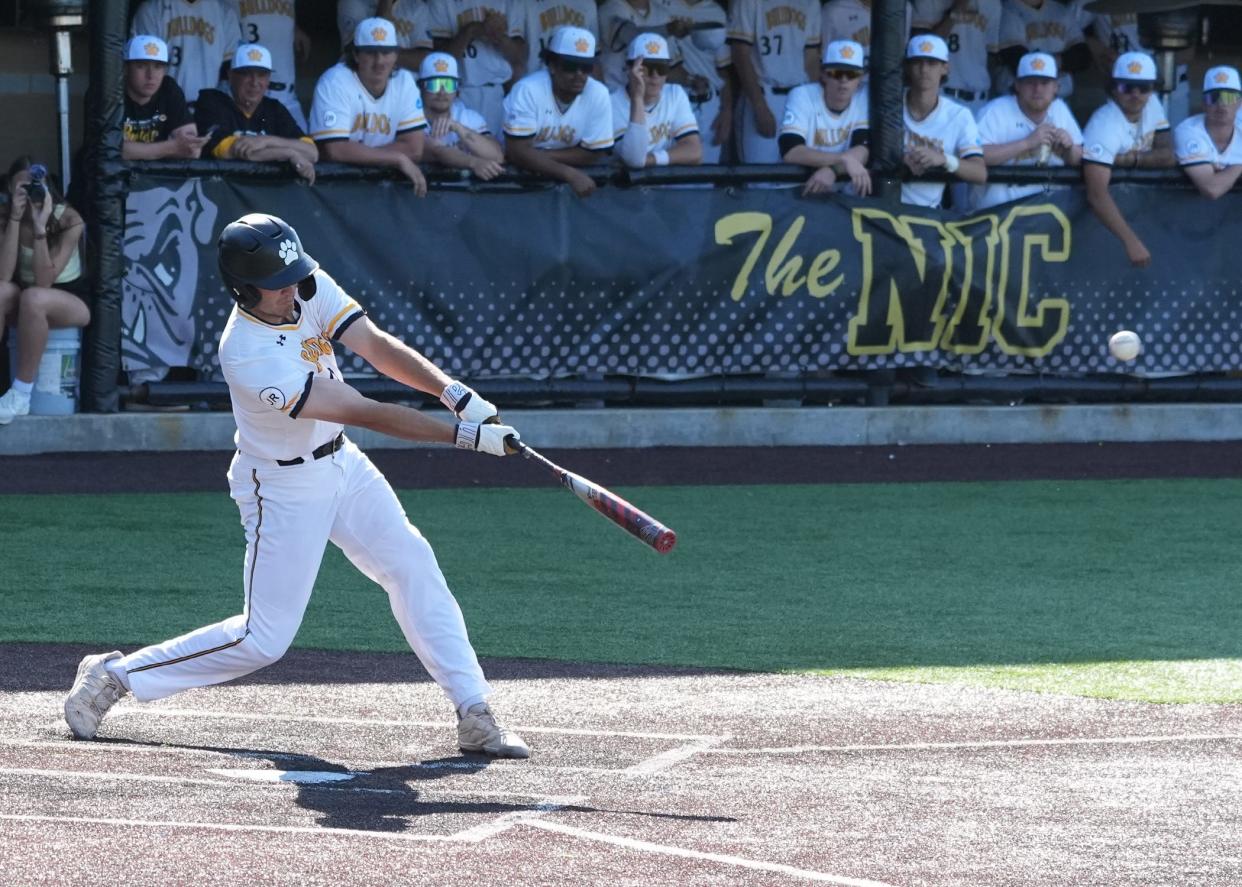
(995, 155)
(804, 155)
(480, 145)
(575, 156)
(398, 421)
(447, 155)
(1156, 158)
(398, 361)
(148, 150)
(363, 155)
(1214, 184)
(687, 151)
(743, 64)
(973, 170)
(1102, 204)
(633, 149)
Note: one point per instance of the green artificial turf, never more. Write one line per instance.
(1120, 589)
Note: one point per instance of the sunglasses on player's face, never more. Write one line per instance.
(576, 66)
(439, 84)
(1136, 88)
(843, 74)
(656, 69)
(1222, 97)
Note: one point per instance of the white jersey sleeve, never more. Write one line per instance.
(681, 115)
(523, 106)
(799, 116)
(332, 108)
(595, 124)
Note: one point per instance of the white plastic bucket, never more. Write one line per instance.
(56, 383)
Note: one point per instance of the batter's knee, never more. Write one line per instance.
(267, 649)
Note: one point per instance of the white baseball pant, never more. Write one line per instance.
(705, 115)
(289, 515)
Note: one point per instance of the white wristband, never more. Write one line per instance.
(453, 392)
(951, 163)
(661, 157)
(467, 436)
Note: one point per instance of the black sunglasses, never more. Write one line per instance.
(1140, 88)
(843, 74)
(656, 69)
(576, 66)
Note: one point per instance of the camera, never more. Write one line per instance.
(35, 188)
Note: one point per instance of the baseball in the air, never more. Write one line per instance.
(1125, 345)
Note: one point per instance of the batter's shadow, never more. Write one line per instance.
(387, 799)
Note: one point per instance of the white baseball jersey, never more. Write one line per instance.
(1003, 121)
(779, 32)
(201, 35)
(531, 111)
(542, 17)
(483, 63)
(466, 117)
(807, 115)
(344, 109)
(271, 23)
(949, 128)
(1052, 28)
(851, 20)
(615, 37)
(668, 119)
(291, 512)
(974, 34)
(1108, 132)
(703, 52)
(1193, 145)
(270, 369)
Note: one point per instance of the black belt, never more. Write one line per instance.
(319, 452)
(964, 94)
(279, 87)
(782, 90)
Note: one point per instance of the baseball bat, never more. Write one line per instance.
(633, 520)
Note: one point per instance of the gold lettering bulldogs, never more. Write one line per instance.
(314, 349)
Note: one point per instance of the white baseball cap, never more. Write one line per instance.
(1134, 66)
(146, 48)
(252, 55)
(375, 33)
(648, 46)
(927, 46)
(438, 64)
(843, 54)
(1037, 64)
(1221, 77)
(573, 42)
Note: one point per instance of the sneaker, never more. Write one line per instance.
(94, 692)
(13, 404)
(479, 732)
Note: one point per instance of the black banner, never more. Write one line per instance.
(689, 281)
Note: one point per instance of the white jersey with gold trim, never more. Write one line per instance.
(668, 120)
(532, 111)
(201, 35)
(270, 369)
(949, 128)
(1193, 145)
(1002, 121)
(779, 33)
(1108, 132)
(345, 109)
(483, 63)
(807, 116)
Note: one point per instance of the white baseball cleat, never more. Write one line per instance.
(12, 405)
(94, 692)
(479, 732)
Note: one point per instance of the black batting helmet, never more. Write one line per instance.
(259, 250)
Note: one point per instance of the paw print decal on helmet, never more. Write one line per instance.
(289, 252)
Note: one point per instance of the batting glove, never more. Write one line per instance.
(466, 403)
(485, 438)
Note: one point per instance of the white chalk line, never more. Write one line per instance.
(992, 743)
(133, 711)
(227, 827)
(742, 862)
(672, 757)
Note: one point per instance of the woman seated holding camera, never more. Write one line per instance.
(41, 274)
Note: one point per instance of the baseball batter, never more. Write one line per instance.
(775, 47)
(271, 23)
(300, 483)
(971, 30)
(201, 36)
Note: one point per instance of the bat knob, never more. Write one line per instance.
(665, 541)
